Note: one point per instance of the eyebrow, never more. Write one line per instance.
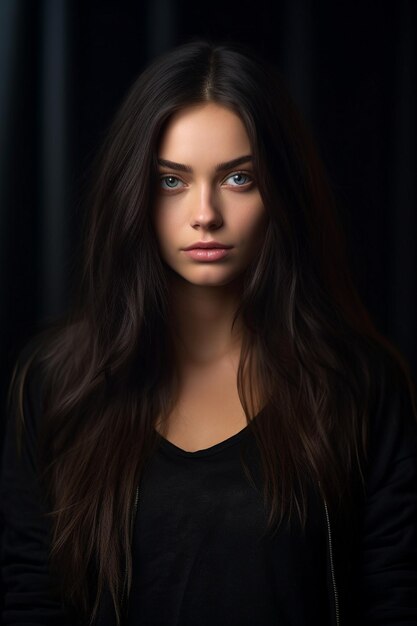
(181, 167)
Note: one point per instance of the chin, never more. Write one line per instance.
(211, 281)
(205, 276)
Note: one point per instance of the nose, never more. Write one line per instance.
(206, 213)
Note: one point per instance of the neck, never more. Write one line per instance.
(201, 321)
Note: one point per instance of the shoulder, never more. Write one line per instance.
(394, 394)
(392, 428)
(28, 366)
(41, 361)
(25, 394)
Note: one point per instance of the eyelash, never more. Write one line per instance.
(240, 172)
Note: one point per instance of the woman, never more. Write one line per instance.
(217, 434)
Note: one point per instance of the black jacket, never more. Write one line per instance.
(371, 554)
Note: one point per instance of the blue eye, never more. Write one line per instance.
(170, 181)
(240, 179)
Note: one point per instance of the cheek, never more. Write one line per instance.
(252, 223)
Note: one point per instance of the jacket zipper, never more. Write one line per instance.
(335, 592)
(132, 523)
(329, 537)
(134, 510)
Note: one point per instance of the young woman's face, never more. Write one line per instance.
(207, 193)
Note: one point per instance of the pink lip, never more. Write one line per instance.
(207, 250)
(207, 244)
(207, 254)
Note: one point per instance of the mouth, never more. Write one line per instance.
(205, 245)
(207, 251)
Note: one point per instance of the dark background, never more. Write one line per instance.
(65, 66)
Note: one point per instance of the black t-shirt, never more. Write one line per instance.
(200, 552)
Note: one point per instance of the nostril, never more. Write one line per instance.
(207, 221)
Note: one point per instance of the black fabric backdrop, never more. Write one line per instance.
(65, 66)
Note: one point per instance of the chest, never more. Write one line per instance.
(201, 545)
(208, 410)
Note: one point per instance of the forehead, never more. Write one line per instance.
(204, 132)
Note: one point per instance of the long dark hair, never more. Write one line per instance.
(108, 367)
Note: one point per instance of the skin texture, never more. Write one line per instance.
(205, 205)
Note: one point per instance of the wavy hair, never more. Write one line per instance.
(108, 367)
